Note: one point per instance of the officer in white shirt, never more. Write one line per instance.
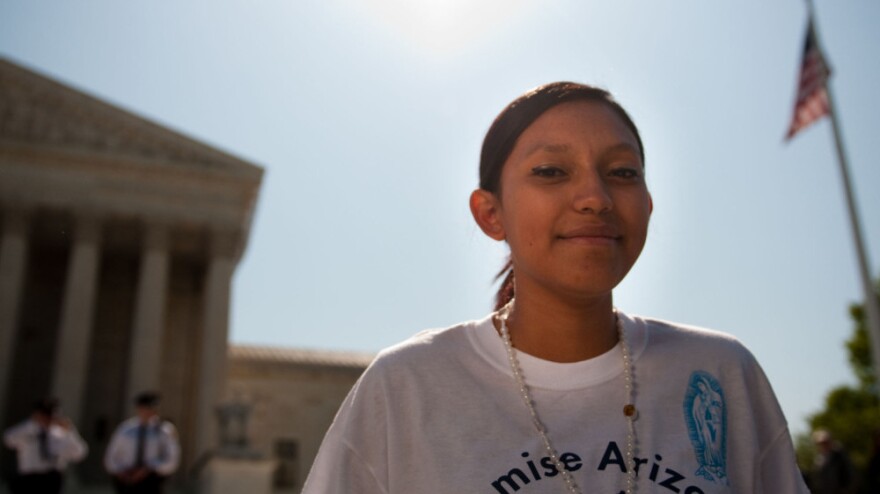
(44, 444)
(144, 450)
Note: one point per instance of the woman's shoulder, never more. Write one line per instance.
(429, 346)
(689, 354)
(660, 334)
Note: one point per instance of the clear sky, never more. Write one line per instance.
(367, 116)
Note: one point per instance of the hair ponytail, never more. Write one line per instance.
(505, 290)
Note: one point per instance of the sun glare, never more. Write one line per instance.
(443, 27)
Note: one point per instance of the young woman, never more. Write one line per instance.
(557, 391)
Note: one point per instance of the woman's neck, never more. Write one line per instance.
(559, 330)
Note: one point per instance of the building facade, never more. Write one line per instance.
(118, 242)
(292, 396)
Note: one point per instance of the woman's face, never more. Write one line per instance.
(573, 206)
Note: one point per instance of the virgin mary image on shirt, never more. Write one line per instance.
(706, 419)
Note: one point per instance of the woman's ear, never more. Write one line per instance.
(487, 213)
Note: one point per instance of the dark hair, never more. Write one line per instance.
(513, 121)
(47, 406)
(147, 399)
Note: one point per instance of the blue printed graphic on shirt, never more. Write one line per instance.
(706, 417)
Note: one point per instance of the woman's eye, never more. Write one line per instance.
(548, 171)
(628, 173)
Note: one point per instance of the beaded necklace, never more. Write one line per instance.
(629, 410)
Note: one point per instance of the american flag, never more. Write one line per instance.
(812, 99)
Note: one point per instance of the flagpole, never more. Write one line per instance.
(871, 304)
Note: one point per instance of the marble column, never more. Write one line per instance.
(13, 261)
(75, 332)
(215, 333)
(145, 352)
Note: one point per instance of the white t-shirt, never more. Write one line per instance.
(441, 413)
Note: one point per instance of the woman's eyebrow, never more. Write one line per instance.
(562, 148)
(622, 147)
(547, 147)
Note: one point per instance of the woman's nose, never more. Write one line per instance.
(591, 195)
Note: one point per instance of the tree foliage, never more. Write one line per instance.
(851, 413)
(859, 349)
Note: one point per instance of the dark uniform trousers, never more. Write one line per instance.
(37, 483)
(151, 484)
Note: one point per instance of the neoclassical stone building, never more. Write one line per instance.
(293, 395)
(118, 242)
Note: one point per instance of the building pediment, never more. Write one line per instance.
(37, 111)
(68, 154)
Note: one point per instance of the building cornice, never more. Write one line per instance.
(299, 356)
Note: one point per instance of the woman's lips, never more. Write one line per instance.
(591, 235)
